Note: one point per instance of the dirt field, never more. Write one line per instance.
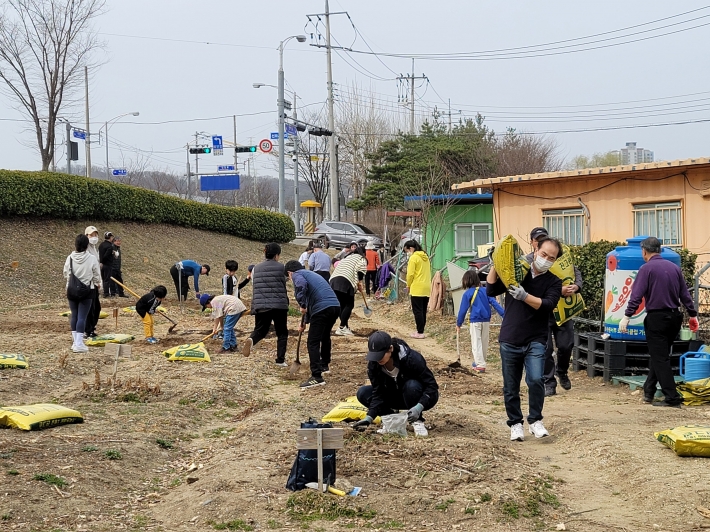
(208, 446)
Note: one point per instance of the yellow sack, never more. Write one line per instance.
(569, 306)
(348, 410)
(13, 360)
(133, 309)
(38, 417)
(109, 339)
(189, 353)
(67, 313)
(689, 440)
(505, 260)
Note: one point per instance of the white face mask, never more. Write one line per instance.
(94, 240)
(542, 265)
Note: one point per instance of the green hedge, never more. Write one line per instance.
(591, 261)
(74, 197)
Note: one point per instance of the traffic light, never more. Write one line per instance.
(201, 149)
(320, 132)
(245, 149)
(74, 151)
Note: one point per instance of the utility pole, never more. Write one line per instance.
(106, 142)
(197, 160)
(87, 143)
(334, 180)
(235, 144)
(68, 125)
(296, 206)
(411, 79)
(449, 116)
(282, 147)
(189, 177)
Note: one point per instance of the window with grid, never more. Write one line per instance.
(566, 225)
(662, 220)
(469, 236)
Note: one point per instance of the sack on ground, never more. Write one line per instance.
(688, 440)
(13, 360)
(38, 417)
(188, 353)
(133, 309)
(568, 306)
(67, 313)
(505, 260)
(348, 410)
(305, 467)
(109, 339)
(395, 424)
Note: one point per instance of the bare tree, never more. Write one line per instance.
(44, 45)
(518, 153)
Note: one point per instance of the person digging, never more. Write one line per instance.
(400, 380)
(226, 311)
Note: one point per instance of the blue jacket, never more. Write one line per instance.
(313, 292)
(481, 308)
(190, 267)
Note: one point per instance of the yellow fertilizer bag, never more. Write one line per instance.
(568, 306)
(348, 410)
(13, 360)
(506, 261)
(188, 353)
(109, 339)
(133, 309)
(689, 440)
(38, 417)
(67, 313)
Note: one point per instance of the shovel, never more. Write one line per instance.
(365, 310)
(457, 364)
(296, 365)
(174, 323)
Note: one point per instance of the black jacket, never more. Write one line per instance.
(116, 267)
(147, 304)
(411, 365)
(106, 253)
(269, 287)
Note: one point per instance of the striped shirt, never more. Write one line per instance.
(349, 268)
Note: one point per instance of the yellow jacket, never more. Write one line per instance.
(419, 275)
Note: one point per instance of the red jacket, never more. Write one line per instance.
(373, 260)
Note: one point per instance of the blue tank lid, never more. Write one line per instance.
(635, 241)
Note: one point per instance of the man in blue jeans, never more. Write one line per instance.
(523, 335)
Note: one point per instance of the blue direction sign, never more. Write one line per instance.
(119, 171)
(291, 130)
(226, 168)
(219, 182)
(79, 134)
(217, 142)
(275, 136)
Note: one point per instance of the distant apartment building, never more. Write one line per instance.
(633, 155)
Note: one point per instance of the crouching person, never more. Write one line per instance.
(226, 311)
(400, 380)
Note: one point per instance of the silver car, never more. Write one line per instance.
(340, 234)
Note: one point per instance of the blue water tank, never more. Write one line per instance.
(622, 266)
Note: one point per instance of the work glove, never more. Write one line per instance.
(693, 324)
(518, 292)
(624, 324)
(414, 413)
(362, 424)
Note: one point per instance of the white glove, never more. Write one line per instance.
(624, 324)
(518, 292)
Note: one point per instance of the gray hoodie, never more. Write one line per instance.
(85, 267)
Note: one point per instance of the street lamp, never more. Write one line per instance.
(280, 105)
(134, 113)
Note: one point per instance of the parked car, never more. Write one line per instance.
(340, 234)
(410, 234)
(482, 265)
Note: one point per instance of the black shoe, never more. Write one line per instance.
(669, 405)
(549, 390)
(326, 369)
(313, 381)
(565, 382)
(122, 295)
(647, 398)
(91, 334)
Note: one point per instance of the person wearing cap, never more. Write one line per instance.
(106, 262)
(399, 380)
(92, 319)
(661, 284)
(347, 277)
(181, 272)
(146, 307)
(269, 303)
(319, 262)
(116, 273)
(373, 263)
(563, 334)
(320, 308)
(226, 311)
(523, 335)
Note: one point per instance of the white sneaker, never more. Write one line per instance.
(340, 331)
(517, 433)
(538, 429)
(419, 429)
(348, 332)
(79, 345)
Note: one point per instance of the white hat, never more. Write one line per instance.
(370, 245)
(90, 229)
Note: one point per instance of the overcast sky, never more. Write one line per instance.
(666, 79)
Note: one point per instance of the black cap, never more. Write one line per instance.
(377, 345)
(538, 232)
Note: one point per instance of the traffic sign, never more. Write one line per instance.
(79, 134)
(217, 142)
(274, 136)
(291, 129)
(266, 145)
(119, 171)
(226, 168)
(219, 182)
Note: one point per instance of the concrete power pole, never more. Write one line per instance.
(411, 79)
(87, 142)
(334, 180)
(189, 177)
(68, 125)
(296, 206)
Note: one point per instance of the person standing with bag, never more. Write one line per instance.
(83, 275)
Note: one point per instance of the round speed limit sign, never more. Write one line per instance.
(266, 146)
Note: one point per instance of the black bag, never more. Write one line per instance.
(305, 467)
(76, 290)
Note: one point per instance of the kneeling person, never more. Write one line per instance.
(146, 307)
(226, 311)
(400, 379)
